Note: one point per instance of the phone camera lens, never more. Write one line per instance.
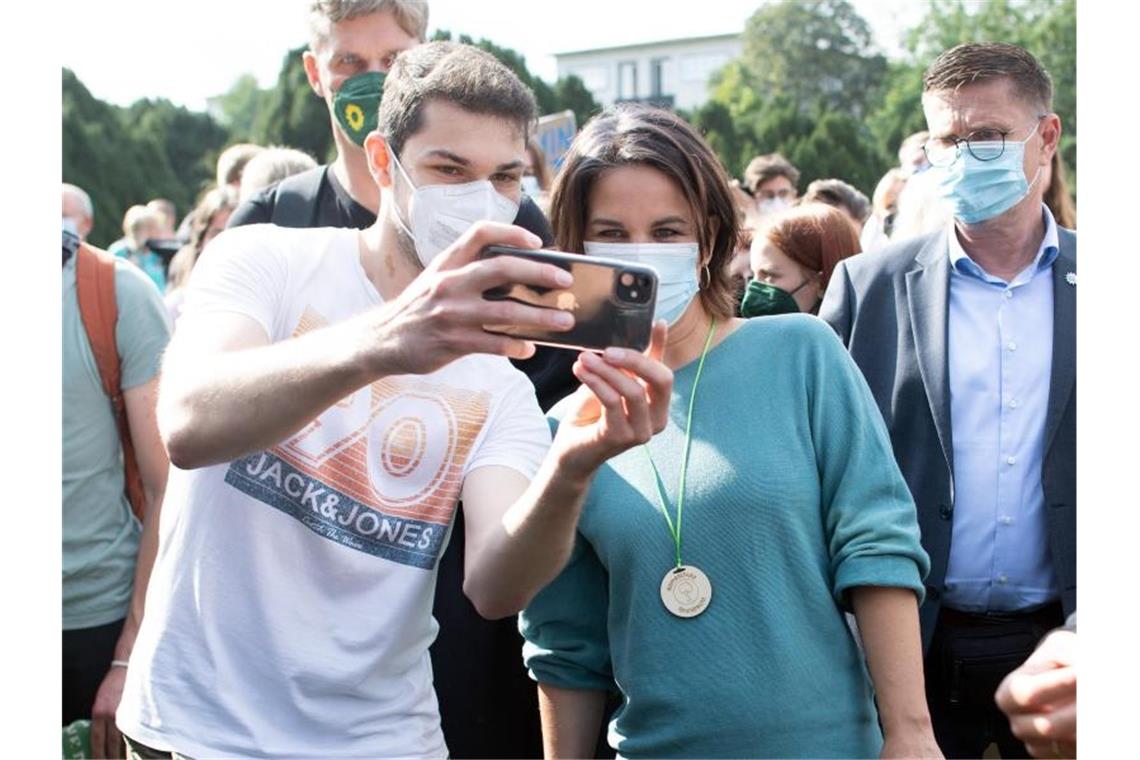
(627, 279)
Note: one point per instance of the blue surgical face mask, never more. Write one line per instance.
(981, 190)
(676, 266)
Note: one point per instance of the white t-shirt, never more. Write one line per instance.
(289, 611)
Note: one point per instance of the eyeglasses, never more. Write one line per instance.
(982, 144)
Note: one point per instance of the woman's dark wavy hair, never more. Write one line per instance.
(632, 135)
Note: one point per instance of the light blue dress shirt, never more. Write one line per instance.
(1000, 364)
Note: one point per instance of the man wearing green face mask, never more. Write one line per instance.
(352, 45)
(792, 259)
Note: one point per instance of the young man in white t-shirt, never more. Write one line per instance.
(328, 398)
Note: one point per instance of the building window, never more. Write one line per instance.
(700, 67)
(657, 77)
(596, 78)
(627, 79)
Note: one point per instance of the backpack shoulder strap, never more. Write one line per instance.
(295, 204)
(99, 311)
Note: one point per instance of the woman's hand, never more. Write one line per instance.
(623, 402)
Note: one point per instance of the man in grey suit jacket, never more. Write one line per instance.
(967, 338)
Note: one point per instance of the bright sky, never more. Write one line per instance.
(123, 50)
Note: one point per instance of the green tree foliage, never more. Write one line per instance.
(812, 52)
(571, 93)
(1046, 28)
(568, 93)
(899, 114)
(808, 75)
(293, 115)
(123, 157)
(238, 107)
(189, 141)
(714, 120)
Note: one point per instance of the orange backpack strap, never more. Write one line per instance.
(98, 309)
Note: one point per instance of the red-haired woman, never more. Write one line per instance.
(793, 257)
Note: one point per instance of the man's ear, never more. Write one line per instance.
(379, 159)
(1050, 137)
(312, 72)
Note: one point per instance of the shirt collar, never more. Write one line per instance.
(1046, 254)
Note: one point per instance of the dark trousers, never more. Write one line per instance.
(488, 705)
(969, 656)
(87, 655)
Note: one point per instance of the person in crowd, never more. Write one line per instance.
(107, 553)
(231, 163)
(487, 703)
(922, 208)
(1040, 696)
(912, 156)
(837, 193)
(78, 209)
(773, 183)
(206, 222)
(1057, 195)
(879, 226)
(141, 224)
(536, 176)
(229, 170)
(967, 339)
(793, 258)
(272, 165)
(328, 396)
(724, 630)
(167, 216)
(749, 222)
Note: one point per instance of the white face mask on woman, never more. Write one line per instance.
(440, 214)
(676, 266)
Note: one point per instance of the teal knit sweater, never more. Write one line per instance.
(793, 498)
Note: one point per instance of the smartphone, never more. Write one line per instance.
(612, 301)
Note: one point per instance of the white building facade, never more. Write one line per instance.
(672, 73)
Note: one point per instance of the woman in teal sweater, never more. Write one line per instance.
(713, 566)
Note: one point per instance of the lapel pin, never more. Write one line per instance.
(1071, 278)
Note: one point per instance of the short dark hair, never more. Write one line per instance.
(836, 192)
(461, 74)
(974, 62)
(632, 135)
(763, 168)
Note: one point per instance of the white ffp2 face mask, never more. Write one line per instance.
(440, 214)
(769, 206)
(676, 267)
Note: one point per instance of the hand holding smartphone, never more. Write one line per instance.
(612, 301)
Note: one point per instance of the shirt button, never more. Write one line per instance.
(1002, 579)
(1013, 403)
(1008, 294)
(1012, 346)
(1006, 520)
(1011, 460)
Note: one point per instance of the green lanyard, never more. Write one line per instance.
(675, 532)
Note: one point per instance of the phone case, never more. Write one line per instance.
(612, 301)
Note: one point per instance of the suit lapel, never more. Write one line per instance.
(1064, 373)
(928, 293)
